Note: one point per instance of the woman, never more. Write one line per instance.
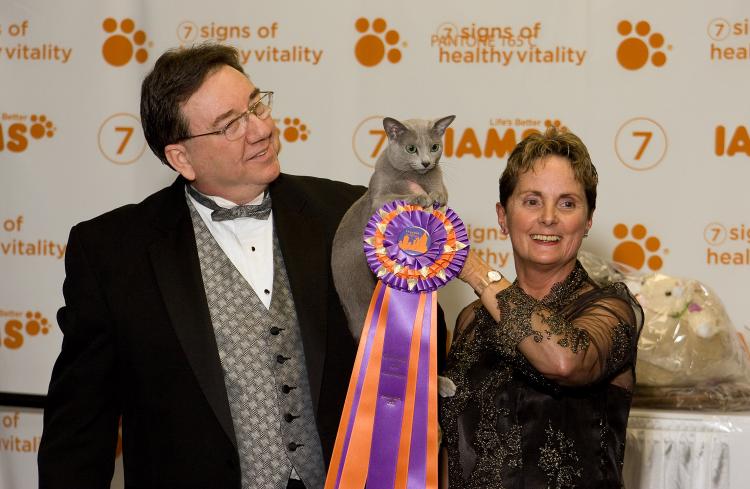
(543, 367)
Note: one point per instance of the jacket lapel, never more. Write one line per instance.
(303, 247)
(174, 257)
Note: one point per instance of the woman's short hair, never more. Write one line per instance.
(535, 147)
(178, 74)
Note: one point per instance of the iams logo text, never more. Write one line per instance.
(730, 141)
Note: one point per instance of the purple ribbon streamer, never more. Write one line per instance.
(394, 369)
(401, 315)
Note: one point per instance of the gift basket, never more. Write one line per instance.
(690, 356)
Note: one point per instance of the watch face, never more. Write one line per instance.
(494, 276)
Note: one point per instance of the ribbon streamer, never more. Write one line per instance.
(387, 437)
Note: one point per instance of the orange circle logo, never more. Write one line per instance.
(376, 42)
(641, 143)
(116, 139)
(124, 42)
(639, 45)
(715, 233)
(187, 32)
(369, 140)
(719, 29)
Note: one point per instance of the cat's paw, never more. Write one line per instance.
(439, 199)
(446, 387)
(422, 200)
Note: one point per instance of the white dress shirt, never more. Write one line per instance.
(248, 242)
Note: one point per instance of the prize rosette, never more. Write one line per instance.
(414, 250)
(387, 437)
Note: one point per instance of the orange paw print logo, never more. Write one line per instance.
(632, 252)
(41, 126)
(36, 323)
(120, 47)
(15, 330)
(371, 48)
(556, 124)
(295, 130)
(634, 51)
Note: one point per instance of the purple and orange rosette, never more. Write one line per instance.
(388, 434)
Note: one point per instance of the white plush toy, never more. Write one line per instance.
(690, 356)
(687, 337)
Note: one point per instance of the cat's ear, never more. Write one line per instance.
(393, 128)
(440, 125)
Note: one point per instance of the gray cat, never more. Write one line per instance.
(406, 170)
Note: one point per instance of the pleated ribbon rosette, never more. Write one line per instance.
(388, 434)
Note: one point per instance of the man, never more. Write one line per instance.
(210, 326)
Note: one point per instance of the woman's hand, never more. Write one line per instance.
(476, 273)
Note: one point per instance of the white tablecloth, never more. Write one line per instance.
(687, 450)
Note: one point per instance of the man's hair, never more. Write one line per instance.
(177, 74)
(536, 147)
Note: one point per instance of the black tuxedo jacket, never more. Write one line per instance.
(138, 342)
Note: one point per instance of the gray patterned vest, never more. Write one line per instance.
(265, 376)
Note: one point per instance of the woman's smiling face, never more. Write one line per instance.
(546, 216)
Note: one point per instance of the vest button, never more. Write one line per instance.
(288, 417)
(274, 330)
(286, 389)
(294, 446)
(282, 358)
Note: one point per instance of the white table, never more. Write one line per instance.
(687, 450)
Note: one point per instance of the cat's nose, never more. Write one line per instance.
(425, 164)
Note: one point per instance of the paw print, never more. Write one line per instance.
(371, 48)
(36, 323)
(41, 127)
(118, 49)
(633, 52)
(294, 130)
(633, 253)
(556, 124)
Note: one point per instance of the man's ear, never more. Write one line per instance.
(178, 159)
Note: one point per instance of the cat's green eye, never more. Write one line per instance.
(410, 148)
(435, 148)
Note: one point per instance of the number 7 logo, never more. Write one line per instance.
(641, 143)
(120, 139)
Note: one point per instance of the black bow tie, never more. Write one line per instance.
(260, 211)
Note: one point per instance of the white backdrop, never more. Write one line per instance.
(657, 91)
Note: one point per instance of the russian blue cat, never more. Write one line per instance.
(406, 170)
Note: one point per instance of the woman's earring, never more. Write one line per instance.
(586, 234)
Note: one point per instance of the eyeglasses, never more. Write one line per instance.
(235, 129)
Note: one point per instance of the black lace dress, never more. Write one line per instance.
(508, 426)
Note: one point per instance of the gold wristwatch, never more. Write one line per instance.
(491, 277)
